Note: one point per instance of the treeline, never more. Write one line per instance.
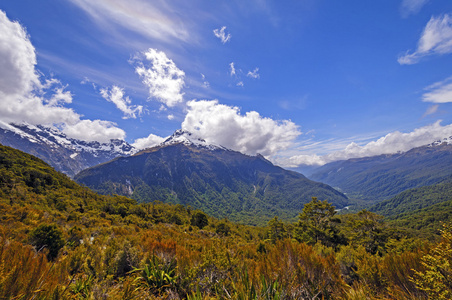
(61, 241)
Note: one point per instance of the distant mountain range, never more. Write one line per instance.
(384, 176)
(65, 154)
(224, 183)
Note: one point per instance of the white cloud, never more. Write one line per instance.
(435, 39)
(164, 80)
(148, 142)
(440, 92)
(221, 34)
(60, 97)
(151, 19)
(170, 117)
(240, 83)
(391, 143)
(254, 74)
(97, 130)
(22, 92)
(18, 59)
(250, 133)
(232, 69)
(116, 96)
(411, 7)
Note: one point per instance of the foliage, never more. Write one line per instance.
(199, 219)
(276, 230)
(422, 208)
(245, 189)
(317, 224)
(49, 237)
(367, 229)
(436, 279)
(120, 249)
(156, 275)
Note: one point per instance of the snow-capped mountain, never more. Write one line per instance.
(65, 154)
(185, 169)
(445, 141)
(188, 138)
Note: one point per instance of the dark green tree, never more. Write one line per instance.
(367, 229)
(223, 229)
(276, 230)
(199, 219)
(49, 237)
(318, 224)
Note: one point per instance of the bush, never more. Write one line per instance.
(199, 219)
(47, 236)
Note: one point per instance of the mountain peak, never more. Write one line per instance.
(185, 137)
(445, 141)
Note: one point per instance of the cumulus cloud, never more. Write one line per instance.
(94, 130)
(254, 74)
(60, 97)
(440, 92)
(148, 142)
(435, 39)
(250, 133)
(116, 96)
(391, 143)
(22, 91)
(164, 80)
(222, 35)
(411, 7)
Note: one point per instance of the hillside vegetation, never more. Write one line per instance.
(223, 183)
(422, 208)
(61, 241)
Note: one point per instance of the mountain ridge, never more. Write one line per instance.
(220, 181)
(67, 155)
(384, 176)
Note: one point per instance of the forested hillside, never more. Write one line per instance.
(382, 177)
(221, 182)
(62, 241)
(423, 208)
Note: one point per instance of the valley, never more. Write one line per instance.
(218, 223)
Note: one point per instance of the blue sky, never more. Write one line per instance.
(301, 82)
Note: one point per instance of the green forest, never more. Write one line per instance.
(59, 240)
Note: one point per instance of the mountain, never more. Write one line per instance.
(419, 208)
(224, 183)
(384, 176)
(65, 154)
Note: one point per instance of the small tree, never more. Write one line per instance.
(223, 229)
(276, 230)
(316, 224)
(199, 219)
(48, 236)
(367, 229)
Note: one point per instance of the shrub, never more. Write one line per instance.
(199, 219)
(49, 237)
